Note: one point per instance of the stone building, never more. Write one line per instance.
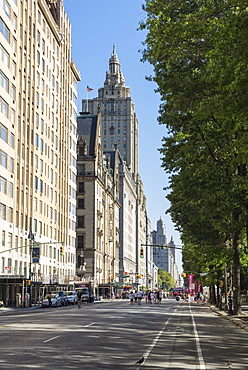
(38, 148)
(97, 206)
(120, 128)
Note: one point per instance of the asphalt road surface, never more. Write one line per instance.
(115, 335)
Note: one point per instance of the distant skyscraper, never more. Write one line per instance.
(160, 254)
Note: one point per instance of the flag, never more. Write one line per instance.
(89, 88)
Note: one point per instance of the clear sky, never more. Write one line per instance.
(96, 26)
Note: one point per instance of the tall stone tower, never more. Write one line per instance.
(120, 124)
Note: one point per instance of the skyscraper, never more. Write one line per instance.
(120, 128)
(119, 120)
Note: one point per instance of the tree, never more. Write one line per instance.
(199, 54)
(165, 279)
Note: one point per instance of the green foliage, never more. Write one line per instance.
(198, 50)
(165, 279)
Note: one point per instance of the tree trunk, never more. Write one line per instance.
(212, 295)
(236, 277)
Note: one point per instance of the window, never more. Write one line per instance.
(4, 56)
(3, 159)
(11, 189)
(13, 92)
(4, 81)
(3, 183)
(2, 211)
(80, 221)
(38, 57)
(81, 187)
(4, 107)
(36, 182)
(81, 204)
(41, 145)
(37, 140)
(11, 165)
(3, 133)
(81, 169)
(4, 30)
(80, 240)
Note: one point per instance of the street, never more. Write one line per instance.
(115, 335)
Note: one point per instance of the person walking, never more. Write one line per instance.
(79, 299)
(49, 297)
(131, 297)
(140, 295)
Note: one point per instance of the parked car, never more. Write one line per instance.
(55, 301)
(71, 297)
(63, 297)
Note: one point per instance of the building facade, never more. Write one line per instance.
(97, 207)
(38, 148)
(120, 128)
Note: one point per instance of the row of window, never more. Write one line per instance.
(39, 184)
(123, 124)
(112, 139)
(111, 131)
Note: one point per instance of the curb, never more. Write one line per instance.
(236, 320)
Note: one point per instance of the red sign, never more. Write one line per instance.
(7, 268)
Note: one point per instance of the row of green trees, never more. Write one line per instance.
(199, 53)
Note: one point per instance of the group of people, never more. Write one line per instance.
(150, 297)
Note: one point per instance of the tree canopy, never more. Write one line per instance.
(198, 50)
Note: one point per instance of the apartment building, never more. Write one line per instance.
(38, 92)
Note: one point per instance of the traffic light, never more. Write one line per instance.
(183, 274)
(61, 250)
(141, 252)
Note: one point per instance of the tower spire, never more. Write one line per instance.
(114, 76)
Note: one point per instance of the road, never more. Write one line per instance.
(114, 335)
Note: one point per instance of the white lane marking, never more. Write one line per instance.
(197, 342)
(86, 326)
(146, 354)
(48, 340)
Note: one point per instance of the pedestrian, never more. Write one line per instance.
(131, 296)
(157, 297)
(150, 297)
(160, 296)
(146, 297)
(153, 297)
(79, 299)
(135, 296)
(140, 295)
(49, 297)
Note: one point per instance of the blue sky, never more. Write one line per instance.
(96, 26)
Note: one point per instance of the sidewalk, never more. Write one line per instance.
(239, 320)
(12, 309)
